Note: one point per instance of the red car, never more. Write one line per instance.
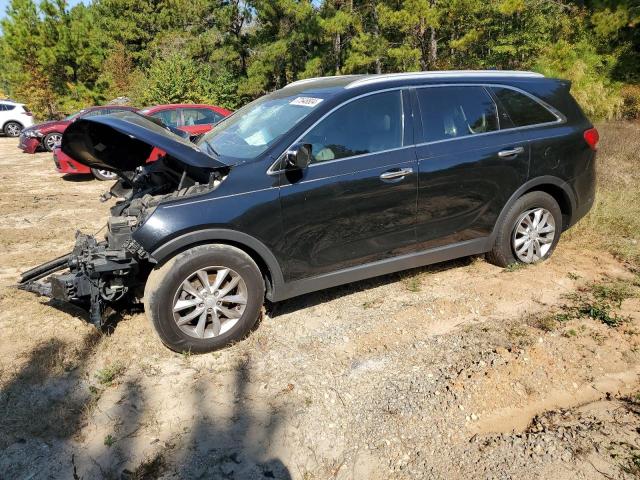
(46, 135)
(191, 118)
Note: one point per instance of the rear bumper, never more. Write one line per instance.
(28, 144)
(65, 164)
(584, 188)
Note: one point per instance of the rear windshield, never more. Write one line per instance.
(255, 127)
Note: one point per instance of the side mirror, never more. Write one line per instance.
(298, 156)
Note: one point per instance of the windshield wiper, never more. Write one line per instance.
(212, 150)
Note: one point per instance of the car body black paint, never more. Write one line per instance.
(339, 221)
(338, 216)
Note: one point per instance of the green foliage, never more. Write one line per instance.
(599, 301)
(109, 440)
(590, 74)
(107, 375)
(173, 79)
(227, 52)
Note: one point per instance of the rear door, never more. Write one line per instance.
(468, 167)
(356, 202)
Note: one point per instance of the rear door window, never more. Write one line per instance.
(522, 109)
(368, 125)
(200, 116)
(456, 112)
(169, 117)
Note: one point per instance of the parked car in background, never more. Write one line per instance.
(65, 164)
(14, 117)
(185, 117)
(48, 134)
(192, 118)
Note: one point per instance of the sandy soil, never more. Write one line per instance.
(458, 370)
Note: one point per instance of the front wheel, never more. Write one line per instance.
(104, 175)
(529, 232)
(51, 140)
(204, 298)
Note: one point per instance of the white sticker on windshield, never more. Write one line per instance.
(305, 101)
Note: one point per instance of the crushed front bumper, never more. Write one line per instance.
(97, 277)
(28, 144)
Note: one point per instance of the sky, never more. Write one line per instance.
(5, 3)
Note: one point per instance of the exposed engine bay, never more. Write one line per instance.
(110, 272)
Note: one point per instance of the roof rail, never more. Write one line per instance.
(313, 79)
(369, 79)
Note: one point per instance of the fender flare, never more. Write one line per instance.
(530, 185)
(213, 235)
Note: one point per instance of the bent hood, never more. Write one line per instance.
(123, 141)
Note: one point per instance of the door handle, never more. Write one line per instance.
(511, 153)
(391, 174)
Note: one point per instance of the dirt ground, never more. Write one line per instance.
(458, 370)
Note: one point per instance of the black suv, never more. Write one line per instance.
(324, 182)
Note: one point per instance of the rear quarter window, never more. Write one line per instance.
(522, 109)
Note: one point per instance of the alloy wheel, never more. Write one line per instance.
(533, 235)
(210, 302)
(52, 141)
(107, 174)
(13, 130)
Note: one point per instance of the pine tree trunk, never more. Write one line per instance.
(337, 48)
(433, 48)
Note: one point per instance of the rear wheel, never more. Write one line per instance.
(204, 298)
(12, 129)
(104, 175)
(51, 140)
(530, 231)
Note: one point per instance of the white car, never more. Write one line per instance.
(14, 117)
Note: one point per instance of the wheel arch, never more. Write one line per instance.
(258, 251)
(554, 186)
(11, 121)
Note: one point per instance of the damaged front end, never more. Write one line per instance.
(109, 273)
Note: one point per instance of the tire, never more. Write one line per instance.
(103, 175)
(12, 129)
(50, 140)
(165, 290)
(509, 241)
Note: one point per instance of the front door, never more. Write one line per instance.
(468, 166)
(356, 202)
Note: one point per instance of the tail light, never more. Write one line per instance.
(592, 137)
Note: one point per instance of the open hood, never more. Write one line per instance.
(123, 141)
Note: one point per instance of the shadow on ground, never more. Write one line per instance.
(43, 400)
(233, 447)
(78, 177)
(57, 424)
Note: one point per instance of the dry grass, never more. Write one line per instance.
(614, 221)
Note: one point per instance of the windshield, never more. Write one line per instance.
(256, 126)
